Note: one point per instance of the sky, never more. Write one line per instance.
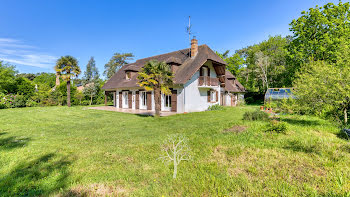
(34, 34)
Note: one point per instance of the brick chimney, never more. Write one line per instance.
(194, 47)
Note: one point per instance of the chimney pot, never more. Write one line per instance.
(194, 47)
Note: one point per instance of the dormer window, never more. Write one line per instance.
(128, 75)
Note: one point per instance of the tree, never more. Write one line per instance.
(79, 95)
(234, 62)
(265, 64)
(45, 78)
(24, 87)
(117, 61)
(67, 67)
(29, 76)
(324, 89)
(175, 149)
(7, 77)
(262, 61)
(320, 34)
(156, 76)
(91, 79)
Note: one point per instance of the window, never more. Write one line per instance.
(125, 98)
(213, 96)
(143, 98)
(128, 75)
(167, 100)
(204, 71)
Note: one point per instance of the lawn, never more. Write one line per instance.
(76, 151)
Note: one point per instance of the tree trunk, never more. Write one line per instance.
(345, 116)
(175, 170)
(157, 101)
(90, 99)
(68, 93)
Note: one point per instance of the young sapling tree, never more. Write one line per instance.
(175, 149)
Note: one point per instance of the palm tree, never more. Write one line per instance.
(156, 76)
(67, 67)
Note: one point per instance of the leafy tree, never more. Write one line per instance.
(156, 76)
(320, 34)
(91, 79)
(324, 89)
(116, 62)
(79, 95)
(29, 76)
(265, 64)
(234, 62)
(24, 87)
(48, 79)
(7, 77)
(67, 67)
(61, 93)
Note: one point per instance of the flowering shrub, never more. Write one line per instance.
(7, 101)
(12, 101)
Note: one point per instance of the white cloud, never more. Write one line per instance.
(16, 52)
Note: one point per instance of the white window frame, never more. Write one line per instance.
(125, 98)
(166, 99)
(213, 96)
(143, 99)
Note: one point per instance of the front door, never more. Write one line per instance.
(143, 100)
(125, 99)
(166, 102)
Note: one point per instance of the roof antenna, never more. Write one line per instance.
(188, 29)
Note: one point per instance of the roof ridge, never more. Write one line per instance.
(168, 53)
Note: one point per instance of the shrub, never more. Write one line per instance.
(249, 100)
(85, 102)
(2, 102)
(20, 101)
(24, 87)
(215, 107)
(255, 115)
(7, 101)
(31, 103)
(277, 127)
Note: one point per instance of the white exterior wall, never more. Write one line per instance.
(195, 98)
(153, 104)
(133, 97)
(180, 100)
(227, 98)
(117, 99)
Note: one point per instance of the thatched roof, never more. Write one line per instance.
(232, 84)
(187, 66)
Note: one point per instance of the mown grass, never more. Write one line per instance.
(75, 151)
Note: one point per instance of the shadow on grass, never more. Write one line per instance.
(40, 177)
(12, 142)
(297, 146)
(342, 135)
(302, 122)
(144, 115)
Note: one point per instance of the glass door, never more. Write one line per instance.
(125, 99)
(166, 102)
(143, 100)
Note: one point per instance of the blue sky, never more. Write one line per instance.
(33, 34)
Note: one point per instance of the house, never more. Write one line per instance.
(200, 80)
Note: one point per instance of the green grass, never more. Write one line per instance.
(75, 151)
